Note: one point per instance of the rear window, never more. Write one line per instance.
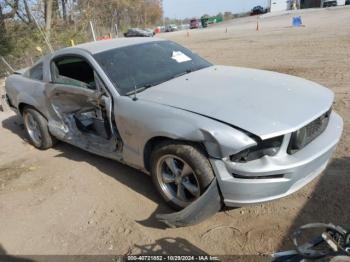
(36, 72)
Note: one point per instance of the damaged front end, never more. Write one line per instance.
(204, 207)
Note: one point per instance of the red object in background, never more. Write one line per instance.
(105, 37)
(194, 24)
(157, 30)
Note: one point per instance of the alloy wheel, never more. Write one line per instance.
(177, 180)
(33, 128)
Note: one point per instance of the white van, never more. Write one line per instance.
(279, 5)
(328, 3)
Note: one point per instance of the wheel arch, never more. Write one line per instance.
(27, 100)
(47, 140)
(23, 105)
(155, 141)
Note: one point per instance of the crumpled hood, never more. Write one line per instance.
(264, 103)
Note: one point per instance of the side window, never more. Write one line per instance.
(75, 71)
(36, 72)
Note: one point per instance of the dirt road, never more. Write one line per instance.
(67, 201)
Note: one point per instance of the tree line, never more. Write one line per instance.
(24, 22)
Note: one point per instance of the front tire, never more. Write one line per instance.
(37, 130)
(180, 172)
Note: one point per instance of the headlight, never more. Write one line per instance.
(299, 139)
(269, 147)
(308, 133)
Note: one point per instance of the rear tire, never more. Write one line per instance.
(37, 129)
(180, 172)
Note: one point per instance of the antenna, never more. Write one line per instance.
(135, 94)
(135, 85)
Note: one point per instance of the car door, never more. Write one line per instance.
(68, 93)
(72, 93)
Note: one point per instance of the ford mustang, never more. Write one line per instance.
(253, 135)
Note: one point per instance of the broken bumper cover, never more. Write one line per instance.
(204, 207)
(271, 178)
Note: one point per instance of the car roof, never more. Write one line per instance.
(104, 45)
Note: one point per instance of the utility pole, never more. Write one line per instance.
(93, 31)
(7, 64)
(116, 30)
(44, 35)
(162, 4)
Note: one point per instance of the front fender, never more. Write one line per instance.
(140, 121)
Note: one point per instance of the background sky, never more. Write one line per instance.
(196, 8)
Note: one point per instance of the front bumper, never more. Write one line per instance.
(270, 178)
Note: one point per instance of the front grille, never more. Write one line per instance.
(308, 133)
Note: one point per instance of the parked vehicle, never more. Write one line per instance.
(207, 20)
(329, 3)
(171, 28)
(184, 26)
(258, 10)
(193, 126)
(347, 2)
(341, 2)
(194, 24)
(137, 32)
(152, 31)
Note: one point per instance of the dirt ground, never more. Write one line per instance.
(67, 201)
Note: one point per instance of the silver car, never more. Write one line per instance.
(158, 107)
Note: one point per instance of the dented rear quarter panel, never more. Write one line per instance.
(22, 90)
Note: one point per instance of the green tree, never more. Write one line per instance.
(5, 40)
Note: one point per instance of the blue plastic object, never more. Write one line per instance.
(297, 21)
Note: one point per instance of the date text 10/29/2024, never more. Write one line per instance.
(172, 258)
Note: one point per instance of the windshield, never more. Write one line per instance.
(145, 65)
